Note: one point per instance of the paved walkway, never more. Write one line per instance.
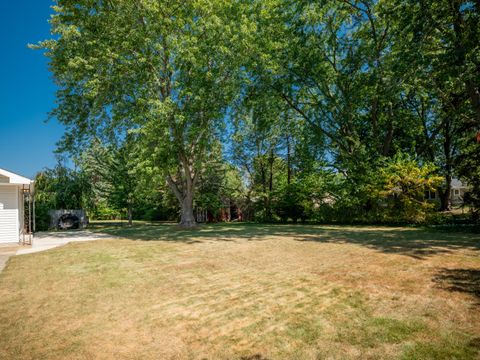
(49, 240)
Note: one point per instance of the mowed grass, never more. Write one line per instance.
(240, 291)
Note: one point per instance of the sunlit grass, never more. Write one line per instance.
(245, 291)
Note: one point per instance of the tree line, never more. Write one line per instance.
(323, 110)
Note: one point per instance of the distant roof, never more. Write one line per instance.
(458, 184)
(14, 178)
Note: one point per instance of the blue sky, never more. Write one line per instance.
(27, 92)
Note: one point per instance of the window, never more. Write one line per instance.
(456, 192)
(430, 195)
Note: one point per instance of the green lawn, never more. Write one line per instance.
(240, 291)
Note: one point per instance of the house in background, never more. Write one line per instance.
(456, 196)
(16, 207)
(230, 211)
(458, 191)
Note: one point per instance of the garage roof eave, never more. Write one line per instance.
(15, 178)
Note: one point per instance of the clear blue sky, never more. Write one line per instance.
(27, 92)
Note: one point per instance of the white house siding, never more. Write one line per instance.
(8, 226)
(9, 214)
(8, 197)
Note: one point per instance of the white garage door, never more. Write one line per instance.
(8, 215)
(8, 226)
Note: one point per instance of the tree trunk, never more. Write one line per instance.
(270, 187)
(289, 165)
(447, 148)
(263, 177)
(445, 194)
(374, 116)
(474, 94)
(387, 144)
(187, 218)
(185, 199)
(130, 215)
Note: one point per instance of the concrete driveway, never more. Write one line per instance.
(48, 240)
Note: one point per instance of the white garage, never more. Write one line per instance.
(15, 207)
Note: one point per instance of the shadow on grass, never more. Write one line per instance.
(414, 242)
(459, 280)
(417, 243)
(254, 357)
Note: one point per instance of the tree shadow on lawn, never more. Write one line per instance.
(254, 357)
(459, 280)
(418, 243)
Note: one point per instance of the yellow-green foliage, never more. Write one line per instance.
(404, 182)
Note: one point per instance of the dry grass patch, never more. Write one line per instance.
(246, 292)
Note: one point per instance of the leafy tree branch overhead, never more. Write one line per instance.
(163, 70)
(283, 93)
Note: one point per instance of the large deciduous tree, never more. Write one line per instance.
(440, 42)
(163, 69)
(321, 94)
